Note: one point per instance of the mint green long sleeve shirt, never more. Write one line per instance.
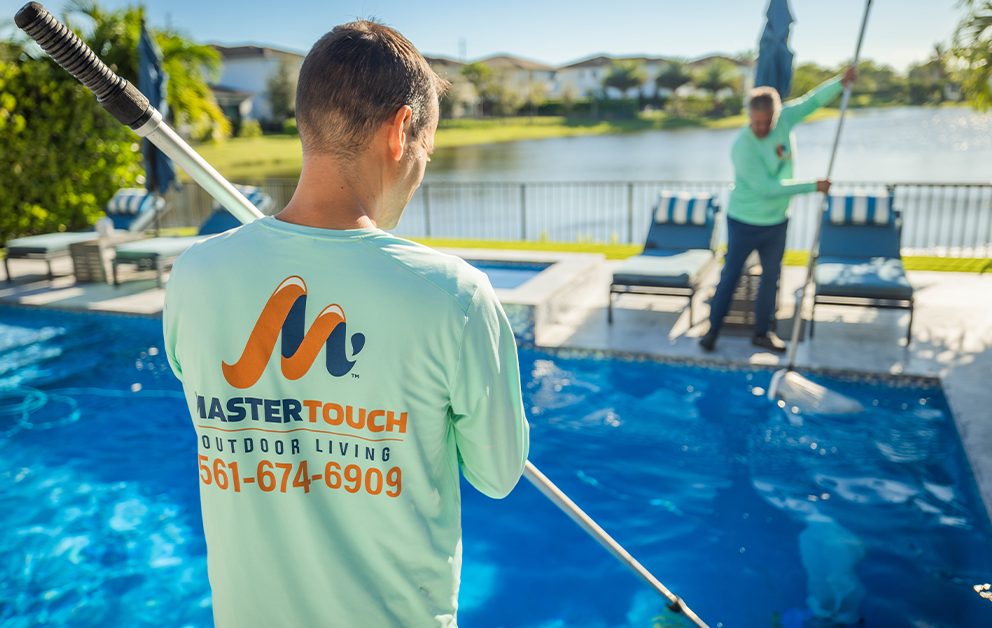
(763, 183)
(338, 381)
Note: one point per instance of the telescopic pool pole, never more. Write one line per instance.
(130, 107)
(787, 385)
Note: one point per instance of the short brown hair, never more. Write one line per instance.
(353, 79)
(765, 99)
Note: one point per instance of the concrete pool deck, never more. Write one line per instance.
(952, 332)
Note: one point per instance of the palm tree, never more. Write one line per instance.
(674, 75)
(114, 35)
(716, 76)
(625, 76)
(928, 81)
(974, 46)
(191, 102)
(808, 75)
(480, 76)
(281, 92)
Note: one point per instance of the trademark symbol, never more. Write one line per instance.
(354, 376)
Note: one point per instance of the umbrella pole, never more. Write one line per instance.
(797, 317)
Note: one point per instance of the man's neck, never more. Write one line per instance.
(330, 195)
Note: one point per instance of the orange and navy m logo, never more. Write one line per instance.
(285, 312)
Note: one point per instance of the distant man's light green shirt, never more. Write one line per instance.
(337, 382)
(763, 168)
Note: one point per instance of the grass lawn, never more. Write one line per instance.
(611, 251)
(253, 159)
(256, 158)
(623, 251)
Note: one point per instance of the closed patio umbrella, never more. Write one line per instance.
(774, 55)
(159, 171)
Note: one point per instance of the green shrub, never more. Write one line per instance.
(250, 129)
(551, 108)
(694, 106)
(730, 106)
(289, 127)
(62, 156)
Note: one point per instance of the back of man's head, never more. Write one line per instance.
(355, 78)
(765, 99)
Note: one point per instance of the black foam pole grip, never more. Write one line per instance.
(116, 94)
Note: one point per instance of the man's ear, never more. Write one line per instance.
(398, 131)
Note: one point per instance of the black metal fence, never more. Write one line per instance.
(941, 219)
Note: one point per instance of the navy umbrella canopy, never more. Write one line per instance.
(774, 56)
(159, 171)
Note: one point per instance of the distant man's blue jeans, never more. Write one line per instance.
(742, 238)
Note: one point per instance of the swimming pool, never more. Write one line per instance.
(509, 275)
(728, 500)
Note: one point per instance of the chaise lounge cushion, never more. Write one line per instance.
(677, 269)
(155, 248)
(878, 278)
(47, 243)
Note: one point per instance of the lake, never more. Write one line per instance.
(895, 144)
(602, 188)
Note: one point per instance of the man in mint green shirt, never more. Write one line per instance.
(339, 377)
(757, 213)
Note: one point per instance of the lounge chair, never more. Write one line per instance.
(158, 254)
(859, 261)
(130, 209)
(677, 253)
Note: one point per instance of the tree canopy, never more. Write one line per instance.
(281, 93)
(625, 76)
(974, 47)
(674, 75)
(114, 35)
(716, 76)
(63, 157)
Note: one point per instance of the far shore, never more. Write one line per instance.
(252, 159)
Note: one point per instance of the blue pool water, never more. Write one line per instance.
(735, 504)
(509, 275)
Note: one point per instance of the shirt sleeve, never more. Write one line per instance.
(795, 111)
(750, 172)
(490, 428)
(170, 322)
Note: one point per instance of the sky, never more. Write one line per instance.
(899, 31)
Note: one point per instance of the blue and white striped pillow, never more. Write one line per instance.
(128, 202)
(861, 208)
(255, 196)
(132, 209)
(683, 208)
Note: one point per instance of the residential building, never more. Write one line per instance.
(743, 72)
(528, 79)
(461, 99)
(584, 78)
(242, 90)
(243, 87)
